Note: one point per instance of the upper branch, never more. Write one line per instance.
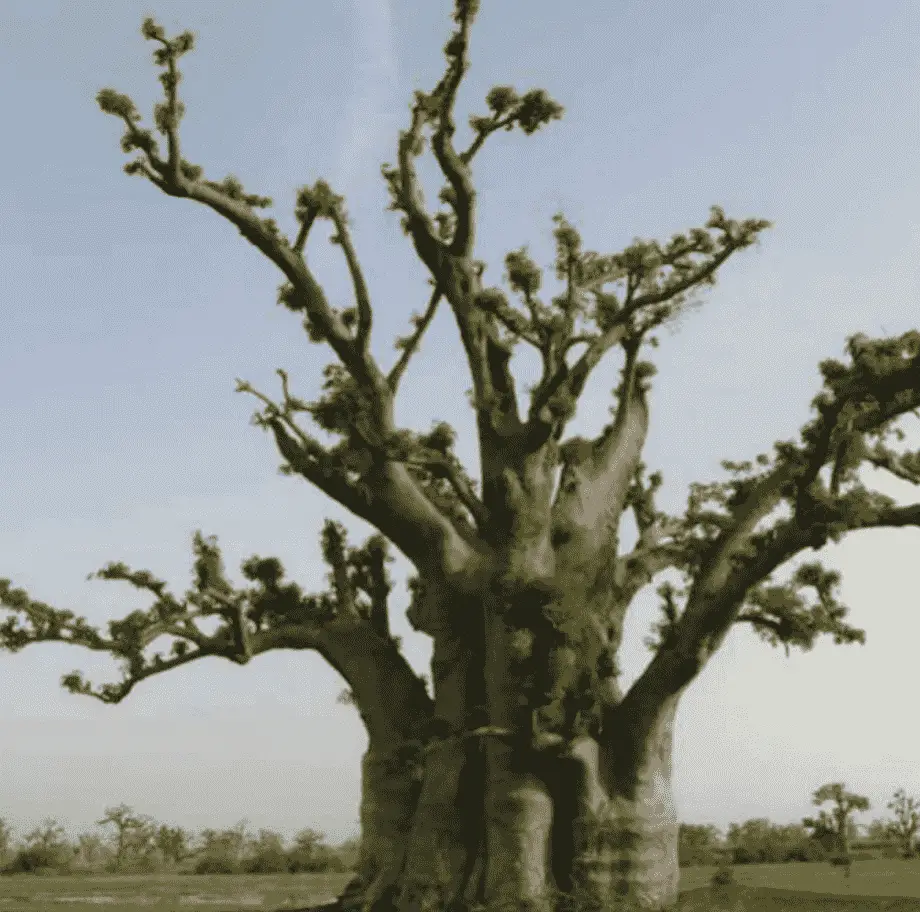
(392, 501)
(410, 344)
(455, 168)
(655, 283)
(406, 189)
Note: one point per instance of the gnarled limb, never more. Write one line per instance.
(347, 626)
(398, 506)
(655, 283)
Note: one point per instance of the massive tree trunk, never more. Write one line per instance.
(510, 814)
(588, 823)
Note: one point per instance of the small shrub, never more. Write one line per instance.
(37, 860)
(268, 863)
(217, 864)
(723, 877)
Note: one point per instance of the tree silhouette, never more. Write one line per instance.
(906, 809)
(836, 822)
(530, 769)
(132, 831)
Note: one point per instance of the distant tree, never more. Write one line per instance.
(6, 841)
(311, 853)
(45, 847)
(132, 833)
(760, 841)
(878, 830)
(172, 843)
(267, 854)
(906, 810)
(91, 849)
(698, 844)
(836, 822)
(349, 852)
(221, 851)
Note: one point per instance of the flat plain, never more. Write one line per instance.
(874, 885)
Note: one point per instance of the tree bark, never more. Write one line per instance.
(615, 839)
(396, 711)
(389, 797)
(518, 806)
(445, 841)
(640, 815)
(456, 813)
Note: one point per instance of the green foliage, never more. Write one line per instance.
(242, 611)
(759, 841)
(309, 852)
(267, 854)
(134, 837)
(117, 104)
(834, 827)
(529, 112)
(43, 849)
(221, 851)
(699, 844)
(318, 201)
(782, 614)
(906, 823)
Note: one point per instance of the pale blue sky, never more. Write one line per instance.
(127, 315)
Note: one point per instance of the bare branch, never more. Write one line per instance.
(657, 280)
(306, 223)
(454, 168)
(333, 544)
(406, 190)
(412, 343)
(362, 298)
(378, 585)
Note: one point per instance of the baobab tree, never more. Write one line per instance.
(132, 832)
(837, 822)
(530, 772)
(906, 810)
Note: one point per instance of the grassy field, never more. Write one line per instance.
(159, 893)
(873, 885)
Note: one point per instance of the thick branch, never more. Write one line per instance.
(441, 464)
(905, 466)
(274, 614)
